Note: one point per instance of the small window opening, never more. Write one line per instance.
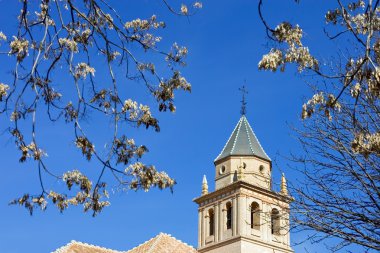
(211, 221)
(255, 215)
(275, 221)
(229, 215)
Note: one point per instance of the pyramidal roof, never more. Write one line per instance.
(243, 141)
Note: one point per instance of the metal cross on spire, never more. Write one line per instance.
(244, 91)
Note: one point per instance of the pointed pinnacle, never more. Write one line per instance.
(204, 179)
(284, 189)
(204, 185)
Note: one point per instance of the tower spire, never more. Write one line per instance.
(244, 91)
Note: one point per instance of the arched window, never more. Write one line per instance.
(255, 216)
(275, 221)
(229, 215)
(211, 221)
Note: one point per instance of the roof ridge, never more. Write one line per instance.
(225, 145)
(237, 134)
(265, 153)
(157, 240)
(158, 237)
(73, 242)
(249, 139)
(178, 240)
(144, 243)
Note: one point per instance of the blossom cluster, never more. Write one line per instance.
(361, 24)
(148, 40)
(165, 92)
(82, 70)
(185, 10)
(198, 5)
(355, 90)
(89, 200)
(50, 94)
(19, 47)
(3, 91)
(126, 149)
(138, 25)
(146, 177)
(366, 144)
(15, 115)
(302, 57)
(374, 83)
(69, 44)
(285, 32)
(139, 113)
(320, 102)
(77, 178)
(31, 150)
(2, 36)
(86, 146)
(70, 112)
(367, 79)
(176, 54)
(81, 36)
(272, 60)
(146, 66)
(111, 56)
(294, 53)
(30, 202)
(43, 16)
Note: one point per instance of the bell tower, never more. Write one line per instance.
(243, 214)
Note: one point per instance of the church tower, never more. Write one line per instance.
(243, 214)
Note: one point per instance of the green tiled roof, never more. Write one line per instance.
(243, 141)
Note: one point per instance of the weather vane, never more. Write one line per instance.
(244, 91)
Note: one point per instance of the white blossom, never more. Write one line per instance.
(69, 44)
(366, 143)
(286, 32)
(43, 15)
(197, 5)
(19, 47)
(3, 90)
(272, 60)
(144, 24)
(355, 90)
(2, 36)
(301, 56)
(184, 9)
(82, 70)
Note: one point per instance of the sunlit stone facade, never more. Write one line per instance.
(243, 214)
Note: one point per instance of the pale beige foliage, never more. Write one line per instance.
(82, 70)
(2, 36)
(3, 90)
(77, 39)
(19, 47)
(337, 200)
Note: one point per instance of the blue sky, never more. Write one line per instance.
(226, 41)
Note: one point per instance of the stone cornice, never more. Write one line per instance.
(216, 163)
(238, 185)
(275, 246)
